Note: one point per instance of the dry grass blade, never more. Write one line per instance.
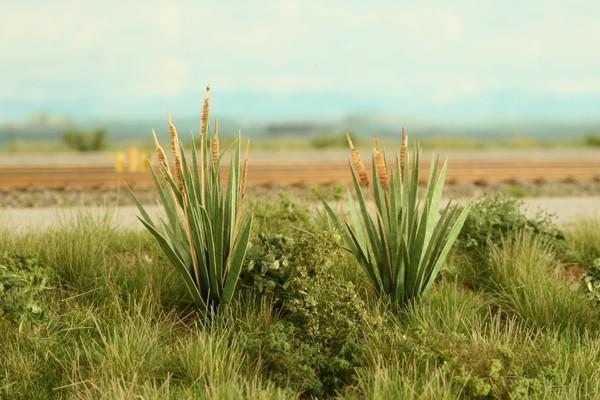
(358, 164)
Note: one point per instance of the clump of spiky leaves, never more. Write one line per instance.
(204, 231)
(401, 244)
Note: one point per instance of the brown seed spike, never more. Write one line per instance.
(161, 156)
(173, 137)
(205, 112)
(176, 153)
(215, 142)
(380, 165)
(358, 164)
(403, 153)
(179, 171)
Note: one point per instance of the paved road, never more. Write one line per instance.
(565, 209)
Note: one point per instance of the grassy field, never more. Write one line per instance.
(88, 311)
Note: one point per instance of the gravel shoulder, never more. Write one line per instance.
(565, 209)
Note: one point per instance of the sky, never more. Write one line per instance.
(279, 60)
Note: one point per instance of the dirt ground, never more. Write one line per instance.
(277, 155)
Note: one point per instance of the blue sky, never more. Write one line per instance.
(454, 61)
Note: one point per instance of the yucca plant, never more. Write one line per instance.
(397, 235)
(204, 231)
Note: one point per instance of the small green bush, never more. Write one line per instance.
(331, 140)
(491, 218)
(591, 282)
(23, 282)
(85, 141)
(592, 140)
(315, 345)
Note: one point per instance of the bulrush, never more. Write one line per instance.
(358, 164)
(214, 148)
(174, 138)
(403, 153)
(380, 165)
(203, 128)
(162, 157)
(403, 245)
(205, 112)
(205, 230)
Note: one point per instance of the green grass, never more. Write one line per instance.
(584, 239)
(119, 324)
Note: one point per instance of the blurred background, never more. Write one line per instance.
(300, 73)
(510, 92)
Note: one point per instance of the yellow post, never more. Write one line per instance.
(133, 159)
(120, 162)
(144, 162)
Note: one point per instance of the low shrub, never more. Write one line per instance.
(315, 345)
(493, 217)
(23, 282)
(592, 140)
(330, 140)
(590, 282)
(85, 141)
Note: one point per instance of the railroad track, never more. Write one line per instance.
(299, 174)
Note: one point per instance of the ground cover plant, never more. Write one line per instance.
(583, 237)
(22, 285)
(305, 323)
